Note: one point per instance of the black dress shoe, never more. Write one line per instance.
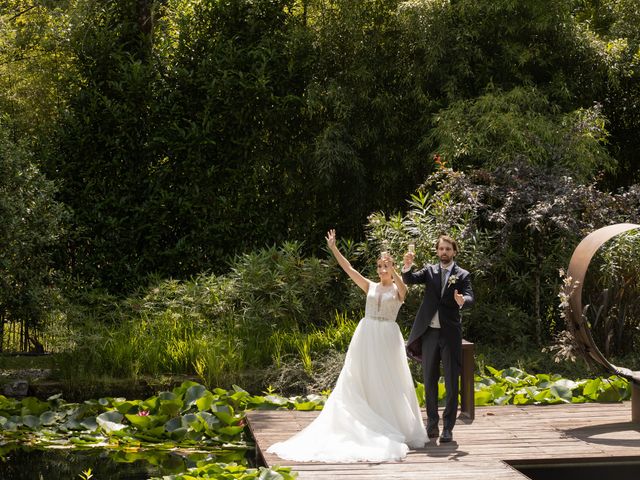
(433, 432)
(447, 436)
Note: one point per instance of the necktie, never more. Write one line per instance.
(443, 276)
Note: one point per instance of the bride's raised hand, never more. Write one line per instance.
(362, 282)
(331, 238)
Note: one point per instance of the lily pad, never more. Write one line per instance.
(110, 421)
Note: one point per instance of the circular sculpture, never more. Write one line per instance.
(576, 321)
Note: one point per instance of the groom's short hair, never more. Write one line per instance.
(448, 239)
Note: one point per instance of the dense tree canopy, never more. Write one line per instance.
(32, 227)
(183, 132)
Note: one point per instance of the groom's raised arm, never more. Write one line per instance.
(408, 276)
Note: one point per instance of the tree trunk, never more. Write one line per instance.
(145, 18)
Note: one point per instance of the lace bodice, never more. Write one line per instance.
(382, 302)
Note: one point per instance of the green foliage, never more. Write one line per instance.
(611, 28)
(34, 66)
(516, 226)
(33, 225)
(86, 474)
(610, 19)
(446, 202)
(499, 322)
(185, 132)
(231, 471)
(189, 417)
(97, 149)
(612, 290)
(280, 289)
(368, 115)
(173, 327)
(274, 303)
(515, 386)
(229, 135)
(521, 126)
(462, 47)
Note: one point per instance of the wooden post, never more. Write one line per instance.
(635, 402)
(467, 395)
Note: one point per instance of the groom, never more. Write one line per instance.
(436, 335)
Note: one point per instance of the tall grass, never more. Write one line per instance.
(169, 344)
(274, 304)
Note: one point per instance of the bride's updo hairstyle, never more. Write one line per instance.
(384, 255)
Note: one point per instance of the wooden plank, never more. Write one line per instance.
(480, 446)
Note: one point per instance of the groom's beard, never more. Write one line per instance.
(446, 260)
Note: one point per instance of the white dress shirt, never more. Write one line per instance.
(446, 271)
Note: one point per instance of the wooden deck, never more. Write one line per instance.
(481, 446)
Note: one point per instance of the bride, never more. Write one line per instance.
(373, 413)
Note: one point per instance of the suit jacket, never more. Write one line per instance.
(446, 306)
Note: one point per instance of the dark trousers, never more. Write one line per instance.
(435, 350)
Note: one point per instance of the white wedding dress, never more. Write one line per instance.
(373, 413)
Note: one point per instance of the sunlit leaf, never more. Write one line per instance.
(276, 400)
(173, 424)
(193, 421)
(205, 401)
(167, 396)
(483, 397)
(110, 421)
(90, 424)
(170, 407)
(568, 384)
(33, 406)
(31, 421)
(193, 394)
(560, 391)
(210, 420)
(48, 418)
(608, 393)
(305, 406)
(542, 395)
(125, 407)
(142, 422)
(591, 387)
(503, 400)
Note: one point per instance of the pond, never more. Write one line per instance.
(624, 468)
(23, 463)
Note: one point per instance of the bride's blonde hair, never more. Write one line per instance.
(386, 256)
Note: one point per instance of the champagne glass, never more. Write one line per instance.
(385, 249)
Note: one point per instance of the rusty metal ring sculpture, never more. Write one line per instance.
(577, 323)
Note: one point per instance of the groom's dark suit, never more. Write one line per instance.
(432, 345)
